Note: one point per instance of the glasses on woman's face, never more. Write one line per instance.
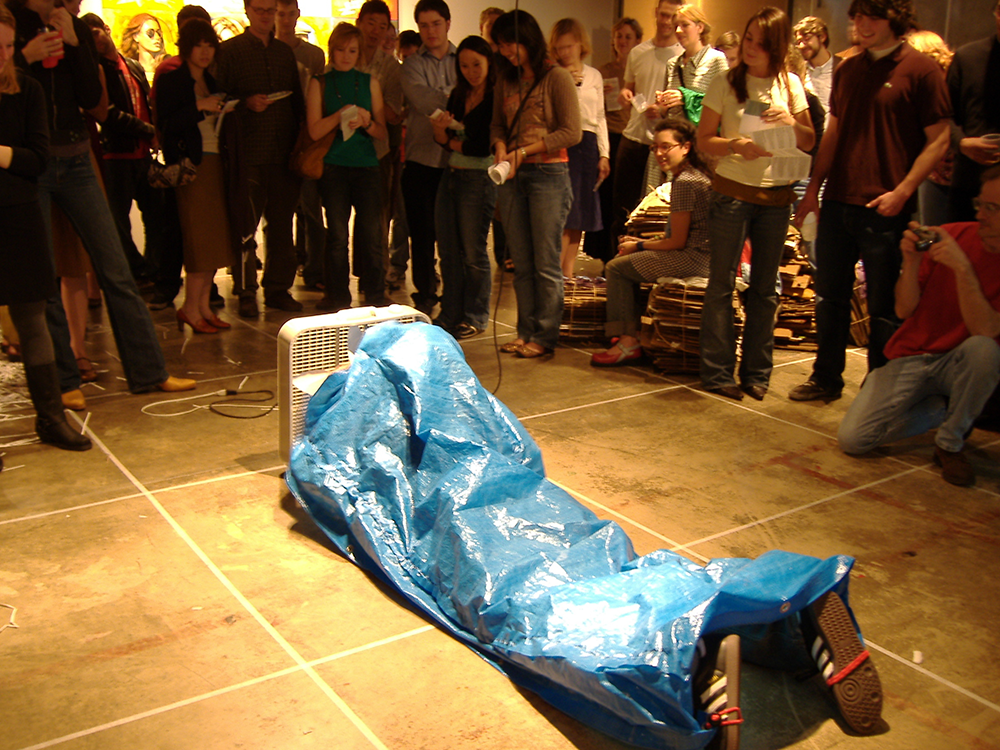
(986, 207)
(664, 148)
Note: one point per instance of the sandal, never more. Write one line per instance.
(87, 372)
(717, 690)
(844, 662)
(511, 346)
(527, 351)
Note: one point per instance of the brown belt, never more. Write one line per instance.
(783, 195)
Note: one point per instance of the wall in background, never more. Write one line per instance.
(957, 21)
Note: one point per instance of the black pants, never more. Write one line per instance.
(629, 176)
(420, 185)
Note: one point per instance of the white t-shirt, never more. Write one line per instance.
(821, 80)
(721, 98)
(647, 67)
(591, 93)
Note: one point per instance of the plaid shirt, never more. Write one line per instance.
(246, 67)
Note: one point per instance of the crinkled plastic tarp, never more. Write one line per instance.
(419, 475)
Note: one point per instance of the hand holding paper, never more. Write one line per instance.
(788, 164)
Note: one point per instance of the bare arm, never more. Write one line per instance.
(821, 168)
(319, 126)
(376, 118)
(710, 142)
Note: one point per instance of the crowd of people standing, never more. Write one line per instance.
(429, 146)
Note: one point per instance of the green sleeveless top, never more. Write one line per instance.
(339, 89)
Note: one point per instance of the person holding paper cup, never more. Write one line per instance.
(466, 194)
(536, 118)
(350, 102)
(748, 201)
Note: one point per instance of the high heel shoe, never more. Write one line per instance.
(215, 320)
(200, 326)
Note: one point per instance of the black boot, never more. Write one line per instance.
(51, 425)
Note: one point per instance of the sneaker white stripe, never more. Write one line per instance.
(717, 705)
(717, 687)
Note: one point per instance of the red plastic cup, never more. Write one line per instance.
(52, 60)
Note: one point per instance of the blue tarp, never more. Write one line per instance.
(420, 476)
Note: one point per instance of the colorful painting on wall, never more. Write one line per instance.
(147, 31)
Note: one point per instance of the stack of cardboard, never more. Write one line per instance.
(796, 325)
(649, 219)
(585, 302)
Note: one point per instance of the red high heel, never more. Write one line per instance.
(201, 326)
(218, 322)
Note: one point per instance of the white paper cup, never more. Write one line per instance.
(498, 172)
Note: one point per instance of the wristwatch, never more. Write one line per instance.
(729, 145)
(640, 246)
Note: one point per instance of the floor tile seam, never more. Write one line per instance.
(73, 509)
(798, 509)
(610, 511)
(280, 640)
(936, 677)
(172, 488)
(183, 703)
(605, 402)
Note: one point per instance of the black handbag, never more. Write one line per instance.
(164, 176)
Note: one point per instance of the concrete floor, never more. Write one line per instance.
(170, 593)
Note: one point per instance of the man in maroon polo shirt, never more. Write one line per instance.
(888, 127)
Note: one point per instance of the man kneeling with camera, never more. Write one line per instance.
(944, 361)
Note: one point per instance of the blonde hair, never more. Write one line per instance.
(694, 14)
(342, 34)
(8, 74)
(570, 26)
(727, 40)
(933, 46)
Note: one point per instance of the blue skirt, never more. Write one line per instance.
(585, 214)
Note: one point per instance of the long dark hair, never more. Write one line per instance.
(520, 27)
(777, 36)
(480, 46)
(685, 132)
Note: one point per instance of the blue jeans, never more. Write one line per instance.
(463, 212)
(73, 186)
(731, 222)
(911, 395)
(533, 208)
(342, 188)
(846, 233)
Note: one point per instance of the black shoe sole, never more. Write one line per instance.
(828, 625)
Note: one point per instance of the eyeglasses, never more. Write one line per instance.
(664, 148)
(264, 11)
(986, 207)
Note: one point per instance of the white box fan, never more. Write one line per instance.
(311, 347)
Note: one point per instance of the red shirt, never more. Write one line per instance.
(882, 107)
(936, 326)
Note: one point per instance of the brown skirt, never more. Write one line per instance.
(71, 256)
(204, 222)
